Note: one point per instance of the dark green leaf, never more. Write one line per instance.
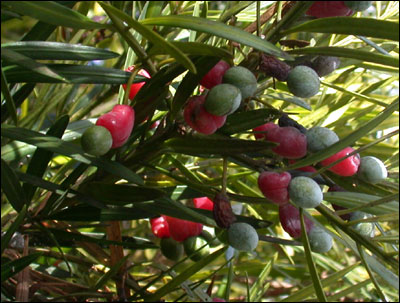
(41, 158)
(53, 13)
(13, 228)
(11, 268)
(11, 187)
(9, 102)
(23, 61)
(349, 53)
(73, 73)
(351, 26)
(218, 29)
(120, 194)
(44, 50)
(193, 48)
(197, 145)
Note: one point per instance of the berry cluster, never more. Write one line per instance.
(228, 87)
(303, 191)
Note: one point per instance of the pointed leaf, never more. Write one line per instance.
(350, 26)
(9, 269)
(218, 29)
(53, 13)
(11, 187)
(45, 50)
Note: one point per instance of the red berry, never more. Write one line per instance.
(180, 229)
(289, 216)
(119, 122)
(322, 9)
(264, 128)
(203, 203)
(292, 143)
(135, 87)
(159, 227)
(274, 186)
(346, 167)
(214, 76)
(199, 119)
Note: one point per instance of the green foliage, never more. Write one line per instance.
(79, 224)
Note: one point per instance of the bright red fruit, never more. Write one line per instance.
(292, 143)
(119, 122)
(203, 203)
(289, 216)
(199, 119)
(322, 9)
(346, 167)
(135, 87)
(214, 76)
(180, 229)
(264, 128)
(274, 186)
(159, 227)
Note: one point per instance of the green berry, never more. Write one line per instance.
(324, 65)
(192, 246)
(305, 192)
(96, 140)
(319, 138)
(243, 79)
(242, 236)
(364, 228)
(303, 81)
(223, 99)
(372, 170)
(358, 6)
(320, 240)
(171, 249)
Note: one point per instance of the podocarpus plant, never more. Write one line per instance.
(81, 220)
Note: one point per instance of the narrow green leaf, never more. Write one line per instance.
(257, 290)
(13, 227)
(18, 97)
(26, 62)
(53, 13)
(41, 158)
(120, 194)
(290, 99)
(79, 74)
(348, 140)
(184, 275)
(307, 291)
(350, 26)
(197, 145)
(194, 48)
(349, 290)
(151, 36)
(310, 262)
(243, 121)
(87, 213)
(218, 29)
(59, 146)
(352, 199)
(349, 53)
(10, 105)
(371, 275)
(9, 269)
(11, 187)
(46, 50)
